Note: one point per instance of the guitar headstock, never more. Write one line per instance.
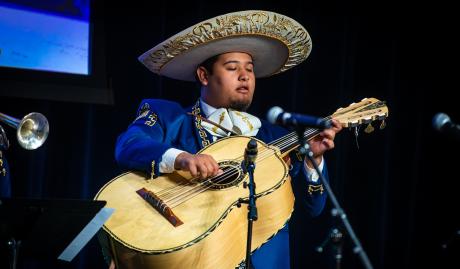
(363, 112)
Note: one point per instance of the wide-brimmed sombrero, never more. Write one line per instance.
(275, 42)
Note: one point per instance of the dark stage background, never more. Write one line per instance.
(399, 189)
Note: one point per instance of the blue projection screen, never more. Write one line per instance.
(45, 35)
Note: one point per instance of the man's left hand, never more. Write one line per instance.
(324, 141)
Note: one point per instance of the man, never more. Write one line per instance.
(5, 184)
(225, 54)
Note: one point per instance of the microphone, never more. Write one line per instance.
(442, 123)
(250, 153)
(276, 115)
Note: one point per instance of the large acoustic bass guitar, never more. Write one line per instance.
(174, 221)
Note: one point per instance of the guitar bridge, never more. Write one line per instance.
(160, 206)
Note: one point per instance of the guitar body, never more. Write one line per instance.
(213, 230)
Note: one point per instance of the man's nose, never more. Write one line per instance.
(244, 76)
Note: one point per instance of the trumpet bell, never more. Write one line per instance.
(32, 130)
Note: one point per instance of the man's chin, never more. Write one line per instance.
(240, 105)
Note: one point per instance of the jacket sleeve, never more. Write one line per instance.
(5, 183)
(143, 144)
(311, 195)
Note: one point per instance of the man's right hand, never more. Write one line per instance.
(200, 165)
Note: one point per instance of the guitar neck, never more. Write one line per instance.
(364, 112)
(290, 141)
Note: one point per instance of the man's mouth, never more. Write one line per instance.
(242, 89)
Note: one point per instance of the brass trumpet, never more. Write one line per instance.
(32, 130)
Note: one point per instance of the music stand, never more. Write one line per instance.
(49, 229)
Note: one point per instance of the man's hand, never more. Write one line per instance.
(324, 141)
(200, 165)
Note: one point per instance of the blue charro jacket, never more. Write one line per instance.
(162, 124)
(5, 184)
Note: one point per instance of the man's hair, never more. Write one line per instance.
(208, 65)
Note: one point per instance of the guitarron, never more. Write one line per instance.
(176, 222)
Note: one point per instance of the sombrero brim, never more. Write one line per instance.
(275, 42)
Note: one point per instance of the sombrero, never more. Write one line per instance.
(275, 42)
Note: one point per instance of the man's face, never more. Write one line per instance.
(232, 82)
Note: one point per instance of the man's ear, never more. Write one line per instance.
(202, 75)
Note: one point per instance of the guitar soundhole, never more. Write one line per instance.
(233, 174)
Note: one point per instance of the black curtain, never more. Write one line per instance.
(398, 185)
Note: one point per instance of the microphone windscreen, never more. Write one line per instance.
(439, 120)
(273, 113)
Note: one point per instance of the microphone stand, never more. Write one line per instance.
(12, 244)
(249, 166)
(13, 247)
(336, 212)
(335, 236)
(446, 245)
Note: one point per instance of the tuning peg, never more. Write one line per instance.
(382, 125)
(369, 129)
(381, 117)
(356, 133)
(353, 124)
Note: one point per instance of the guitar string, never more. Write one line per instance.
(199, 188)
(182, 196)
(189, 194)
(218, 179)
(284, 141)
(288, 139)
